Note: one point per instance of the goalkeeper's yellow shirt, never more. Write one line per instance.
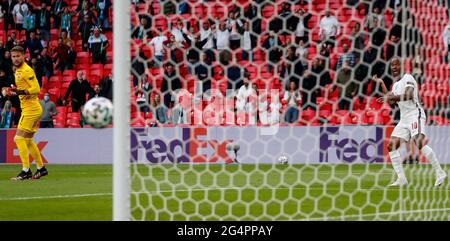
(26, 80)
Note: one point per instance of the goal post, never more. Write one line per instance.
(121, 120)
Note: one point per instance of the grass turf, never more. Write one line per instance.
(228, 192)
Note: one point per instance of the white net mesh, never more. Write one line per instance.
(224, 92)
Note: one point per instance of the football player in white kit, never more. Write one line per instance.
(411, 125)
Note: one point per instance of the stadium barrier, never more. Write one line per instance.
(301, 144)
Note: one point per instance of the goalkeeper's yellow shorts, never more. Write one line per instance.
(29, 122)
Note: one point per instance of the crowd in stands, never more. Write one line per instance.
(320, 54)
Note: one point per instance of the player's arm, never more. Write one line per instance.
(408, 95)
(381, 82)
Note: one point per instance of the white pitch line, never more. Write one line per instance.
(56, 197)
(376, 214)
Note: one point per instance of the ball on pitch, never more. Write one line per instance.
(283, 159)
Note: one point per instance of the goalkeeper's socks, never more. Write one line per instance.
(34, 152)
(431, 157)
(21, 144)
(397, 164)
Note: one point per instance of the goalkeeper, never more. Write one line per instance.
(27, 88)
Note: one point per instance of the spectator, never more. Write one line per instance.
(249, 41)
(98, 43)
(65, 36)
(346, 56)
(169, 7)
(33, 45)
(158, 43)
(5, 81)
(12, 41)
(47, 62)
(171, 83)
(143, 30)
(96, 92)
(81, 3)
(273, 45)
(57, 10)
(446, 38)
(7, 11)
(357, 37)
(66, 20)
(159, 111)
(242, 98)
(106, 87)
(2, 50)
(203, 75)
(7, 116)
(177, 32)
(292, 98)
(102, 7)
(6, 63)
(275, 109)
(48, 111)
(329, 28)
(346, 87)
(375, 16)
(176, 50)
(64, 56)
(418, 63)
(206, 35)
(142, 98)
(233, 24)
(78, 89)
(393, 48)
(222, 36)
(29, 22)
(43, 21)
(378, 34)
(86, 11)
(179, 111)
(302, 53)
(291, 68)
(138, 65)
(299, 25)
(84, 31)
(19, 12)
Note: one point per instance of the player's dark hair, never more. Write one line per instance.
(18, 49)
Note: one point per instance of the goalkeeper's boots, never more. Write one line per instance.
(40, 173)
(440, 179)
(23, 175)
(401, 181)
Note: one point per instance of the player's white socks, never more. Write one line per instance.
(431, 157)
(25, 169)
(397, 164)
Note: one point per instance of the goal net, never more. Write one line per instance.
(267, 110)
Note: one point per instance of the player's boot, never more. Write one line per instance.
(40, 173)
(23, 175)
(401, 181)
(440, 179)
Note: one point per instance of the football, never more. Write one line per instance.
(98, 112)
(283, 159)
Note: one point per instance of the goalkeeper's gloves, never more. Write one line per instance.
(12, 91)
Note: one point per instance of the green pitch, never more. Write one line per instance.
(230, 192)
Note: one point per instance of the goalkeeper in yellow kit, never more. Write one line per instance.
(27, 88)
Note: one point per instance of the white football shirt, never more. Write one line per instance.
(409, 108)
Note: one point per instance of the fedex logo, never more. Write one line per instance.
(369, 148)
(187, 149)
(8, 148)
